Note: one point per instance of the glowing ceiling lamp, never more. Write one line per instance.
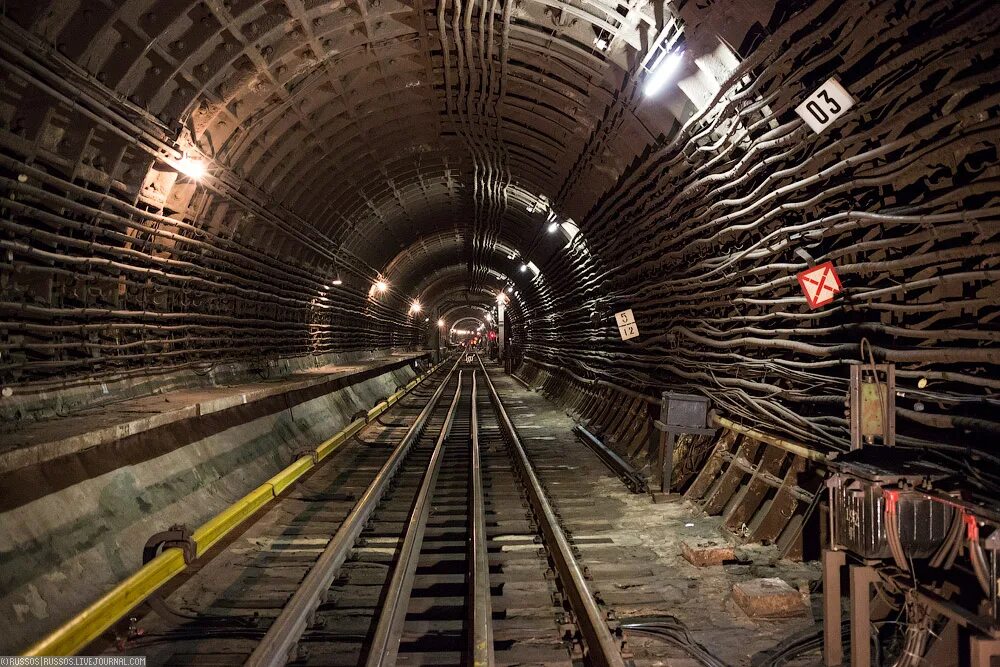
(381, 286)
(192, 167)
(524, 267)
(660, 73)
(415, 307)
(553, 227)
(440, 323)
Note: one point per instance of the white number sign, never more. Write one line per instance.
(625, 317)
(628, 331)
(827, 104)
(626, 324)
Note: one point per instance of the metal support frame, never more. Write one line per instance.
(861, 579)
(665, 457)
(833, 649)
(983, 637)
(857, 403)
(982, 650)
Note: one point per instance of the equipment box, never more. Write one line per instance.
(686, 410)
(858, 501)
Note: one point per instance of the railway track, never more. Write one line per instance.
(440, 548)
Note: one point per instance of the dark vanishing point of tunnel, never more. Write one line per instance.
(733, 263)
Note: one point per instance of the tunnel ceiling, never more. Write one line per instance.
(377, 122)
(433, 145)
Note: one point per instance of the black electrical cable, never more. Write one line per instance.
(672, 630)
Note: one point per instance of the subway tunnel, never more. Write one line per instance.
(500, 332)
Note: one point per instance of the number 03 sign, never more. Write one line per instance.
(827, 104)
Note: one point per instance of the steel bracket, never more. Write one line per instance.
(177, 536)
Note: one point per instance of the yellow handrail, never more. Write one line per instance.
(793, 447)
(90, 623)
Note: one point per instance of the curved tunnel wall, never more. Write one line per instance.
(901, 197)
(342, 137)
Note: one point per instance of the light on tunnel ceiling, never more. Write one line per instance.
(427, 319)
(440, 323)
(191, 167)
(524, 267)
(510, 289)
(415, 307)
(337, 281)
(489, 318)
(661, 72)
(553, 227)
(381, 286)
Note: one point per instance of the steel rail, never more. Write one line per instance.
(480, 595)
(79, 631)
(283, 636)
(599, 646)
(389, 631)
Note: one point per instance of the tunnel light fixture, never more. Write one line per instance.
(381, 286)
(553, 226)
(337, 282)
(489, 318)
(427, 319)
(192, 167)
(440, 323)
(510, 289)
(415, 307)
(524, 267)
(662, 71)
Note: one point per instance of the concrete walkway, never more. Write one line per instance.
(41, 441)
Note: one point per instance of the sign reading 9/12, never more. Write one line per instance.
(626, 324)
(827, 104)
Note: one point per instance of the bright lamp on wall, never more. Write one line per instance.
(662, 71)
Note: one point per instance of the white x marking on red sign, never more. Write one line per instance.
(820, 284)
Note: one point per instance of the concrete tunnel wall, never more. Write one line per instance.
(344, 153)
(61, 551)
(691, 207)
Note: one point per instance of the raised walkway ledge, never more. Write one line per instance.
(203, 409)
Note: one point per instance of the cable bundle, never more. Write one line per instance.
(673, 631)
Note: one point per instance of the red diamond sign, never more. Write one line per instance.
(820, 284)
